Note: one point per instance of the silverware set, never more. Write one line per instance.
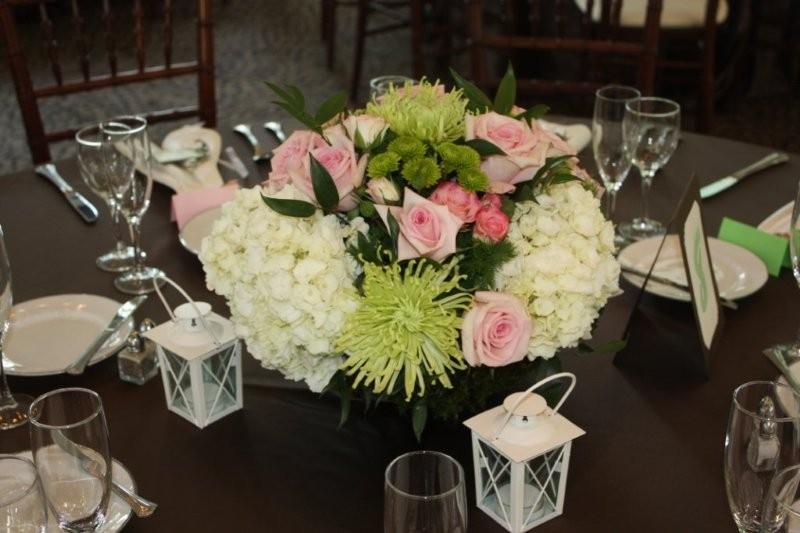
(726, 302)
(259, 153)
(86, 210)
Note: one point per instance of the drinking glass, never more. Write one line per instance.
(92, 168)
(651, 129)
(782, 505)
(22, 507)
(424, 493)
(613, 161)
(126, 148)
(381, 85)
(69, 440)
(13, 407)
(762, 438)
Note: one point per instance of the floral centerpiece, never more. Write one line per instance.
(434, 249)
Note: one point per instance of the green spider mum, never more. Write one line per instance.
(421, 173)
(383, 164)
(473, 179)
(423, 112)
(407, 323)
(458, 158)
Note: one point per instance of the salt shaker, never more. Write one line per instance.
(138, 361)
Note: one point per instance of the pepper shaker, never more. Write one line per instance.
(138, 361)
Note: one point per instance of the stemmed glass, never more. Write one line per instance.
(608, 143)
(92, 168)
(424, 492)
(381, 85)
(651, 130)
(69, 440)
(126, 148)
(22, 506)
(781, 515)
(13, 407)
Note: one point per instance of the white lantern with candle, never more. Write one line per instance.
(520, 454)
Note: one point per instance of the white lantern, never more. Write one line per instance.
(520, 453)
(201, 362)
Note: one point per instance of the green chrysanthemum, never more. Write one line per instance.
(473, 179)
(407, 147)
(407, 323)
(424, 112)
(383, 164)
(421, 173)
(455, 157)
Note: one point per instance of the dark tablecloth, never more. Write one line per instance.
(651, 459)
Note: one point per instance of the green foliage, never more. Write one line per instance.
(382, 165)
(291, 99)
(477, 101)
(484, 148)
(534, 113)
(324, 187)
(554, 171)
(422, 172)
(290, 208)
(473, 179)
(506, 92)
(419, 417)
(481, 260)
(407, 148)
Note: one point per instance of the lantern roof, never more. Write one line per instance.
(553, 431)
(190, 345)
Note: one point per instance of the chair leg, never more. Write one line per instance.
(358, 55)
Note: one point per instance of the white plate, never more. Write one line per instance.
(778, 222)
(739, 272)
(45, 335)
(198, 228)
(118, 511)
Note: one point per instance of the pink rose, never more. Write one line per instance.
(291, 154)
(426, 229)
(461, 202)
(340, 160)
(491, 224)
(496, 330)
(382, 191)
(491, 199)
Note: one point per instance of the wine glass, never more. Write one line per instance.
(424, 492)
(613, 161)
(126, 152)
(13, 407)
(782, 505)
(381, 85)
(761, 439)
(92, 168)
(22, 506)
(69, 440)
(651, 129)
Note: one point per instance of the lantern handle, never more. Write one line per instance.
(189, 300)
(529, 390)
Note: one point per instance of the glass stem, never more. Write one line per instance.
(117, 233)
(611, 204)
(647, 181)
(6, 398)
(134, 226)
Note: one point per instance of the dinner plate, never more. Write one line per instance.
(198, 228)
(778, 222)
(118, 511)
(45, 335)
(739, 272)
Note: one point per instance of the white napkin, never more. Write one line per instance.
(577, 136)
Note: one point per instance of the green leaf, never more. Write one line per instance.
(477, 99)
(282, 93)
(534, 113)
(394, 228)
(331, 107)
(506, 92)
(297, 96)
(345, 398)
(507, 206)
(484, 148)
(290, 208)
(611, 346)
(524, 193)
(324, 187)
(300, 115)
(419, 417)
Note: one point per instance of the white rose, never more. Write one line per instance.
(365, 129)
(382, 190)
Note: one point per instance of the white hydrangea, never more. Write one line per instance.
(288, 282)
(565, 269)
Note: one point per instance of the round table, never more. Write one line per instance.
(651, 459)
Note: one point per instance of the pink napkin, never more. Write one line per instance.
(187, 205)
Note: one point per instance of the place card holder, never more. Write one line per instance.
(668, 340)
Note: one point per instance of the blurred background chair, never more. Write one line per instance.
(146, 21)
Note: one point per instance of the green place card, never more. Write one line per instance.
(773, 250)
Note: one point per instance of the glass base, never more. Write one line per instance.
(139, 281)
(790, 351)
(641, 228)
(117, 260)
(15, 413)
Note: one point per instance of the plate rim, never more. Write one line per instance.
(188, 247)
(763, 225)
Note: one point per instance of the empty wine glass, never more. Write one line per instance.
(381, 85)
(761, 439)
(782, 505)
(651, 129)
(13, 407)
(69, 440)
(22, 506)
(126, 152)
(92, 167)
(613, 161)
(424, 492)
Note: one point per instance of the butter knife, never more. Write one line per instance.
(726, 302)
(84, 207)
(259, 154)
(727, 182)
(123, 313)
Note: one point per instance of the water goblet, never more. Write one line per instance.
(92, 168)
(22, 505)
(382, 84)
(126, 152)
(69, 439)
(13, 407)
(651, 129)
(424, 492)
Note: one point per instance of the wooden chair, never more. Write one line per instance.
(556, 26)
(28, 96)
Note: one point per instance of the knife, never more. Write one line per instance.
(84, 207)
(726, 302)
(123, 313)
(258, 153)
(727, 182)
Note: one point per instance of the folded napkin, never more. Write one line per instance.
(771, 249)
(577, 136)
(187, 205)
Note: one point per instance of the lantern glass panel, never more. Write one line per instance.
(219, 381)
(180, 383)
(542, 479)
(496, 476)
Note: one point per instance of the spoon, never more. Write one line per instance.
(275, 129)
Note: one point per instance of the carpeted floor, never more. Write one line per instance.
(279, 40)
